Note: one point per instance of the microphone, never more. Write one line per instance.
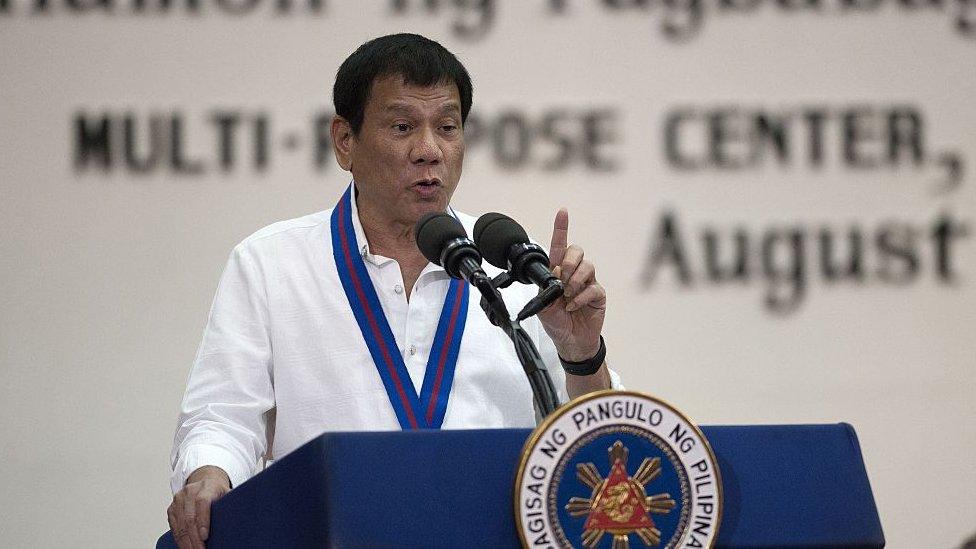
(505, 245)
(443, 241)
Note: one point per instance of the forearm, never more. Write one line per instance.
(581, 385)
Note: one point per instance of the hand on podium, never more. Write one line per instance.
(189, 514)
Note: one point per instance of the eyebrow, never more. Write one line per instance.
(452, 106)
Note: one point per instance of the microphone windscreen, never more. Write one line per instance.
(495, 234)
(434, 231)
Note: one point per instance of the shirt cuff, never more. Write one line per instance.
(198, 455)
(615, 380)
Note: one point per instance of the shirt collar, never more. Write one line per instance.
(364, 252)
(358, 228)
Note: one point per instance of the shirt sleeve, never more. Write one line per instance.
(229, 392)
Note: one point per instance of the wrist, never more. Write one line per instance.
(579, 353)
(587, 366)
(209, 472)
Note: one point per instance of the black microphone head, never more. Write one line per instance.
(434, 231)
(495, 234)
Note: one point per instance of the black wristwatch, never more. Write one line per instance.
(586, 367)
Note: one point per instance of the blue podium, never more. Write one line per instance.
(785, 486)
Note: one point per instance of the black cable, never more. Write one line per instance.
(543, 392)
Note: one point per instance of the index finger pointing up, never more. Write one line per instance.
(560, 235)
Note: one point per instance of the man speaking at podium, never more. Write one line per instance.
(337, 322)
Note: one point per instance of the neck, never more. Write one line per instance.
(388, 237)
(395, 240)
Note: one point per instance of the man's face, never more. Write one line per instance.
(407, 157)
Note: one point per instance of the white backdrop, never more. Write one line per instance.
(783, 125)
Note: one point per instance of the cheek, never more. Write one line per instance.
(394, 155)
(457, 154)
(382, 162)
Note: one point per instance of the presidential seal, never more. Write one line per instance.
(615, 469)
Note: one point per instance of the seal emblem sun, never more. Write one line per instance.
(619, 504)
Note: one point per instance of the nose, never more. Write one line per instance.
(426, 149)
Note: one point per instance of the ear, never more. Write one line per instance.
(343, 141)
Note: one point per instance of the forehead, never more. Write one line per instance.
(392, 91)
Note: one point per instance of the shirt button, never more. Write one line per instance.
(398, 289)
(412, 350)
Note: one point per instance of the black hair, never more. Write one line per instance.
(419, 60)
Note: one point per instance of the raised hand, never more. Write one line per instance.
(574, 322)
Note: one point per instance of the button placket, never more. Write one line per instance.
(409, 348)
(417, 312)
(411, 332)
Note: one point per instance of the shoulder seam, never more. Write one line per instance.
(255, 236)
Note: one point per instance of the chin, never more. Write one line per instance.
(425, 208)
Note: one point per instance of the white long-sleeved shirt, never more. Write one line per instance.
(282, 358)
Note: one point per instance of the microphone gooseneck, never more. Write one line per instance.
(443, 241)
(506, 245)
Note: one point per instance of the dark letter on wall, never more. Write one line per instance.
(92, 143)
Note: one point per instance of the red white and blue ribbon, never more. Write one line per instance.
(427, 410)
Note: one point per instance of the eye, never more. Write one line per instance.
(402, 127)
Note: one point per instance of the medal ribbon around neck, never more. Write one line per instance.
(426, 411)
